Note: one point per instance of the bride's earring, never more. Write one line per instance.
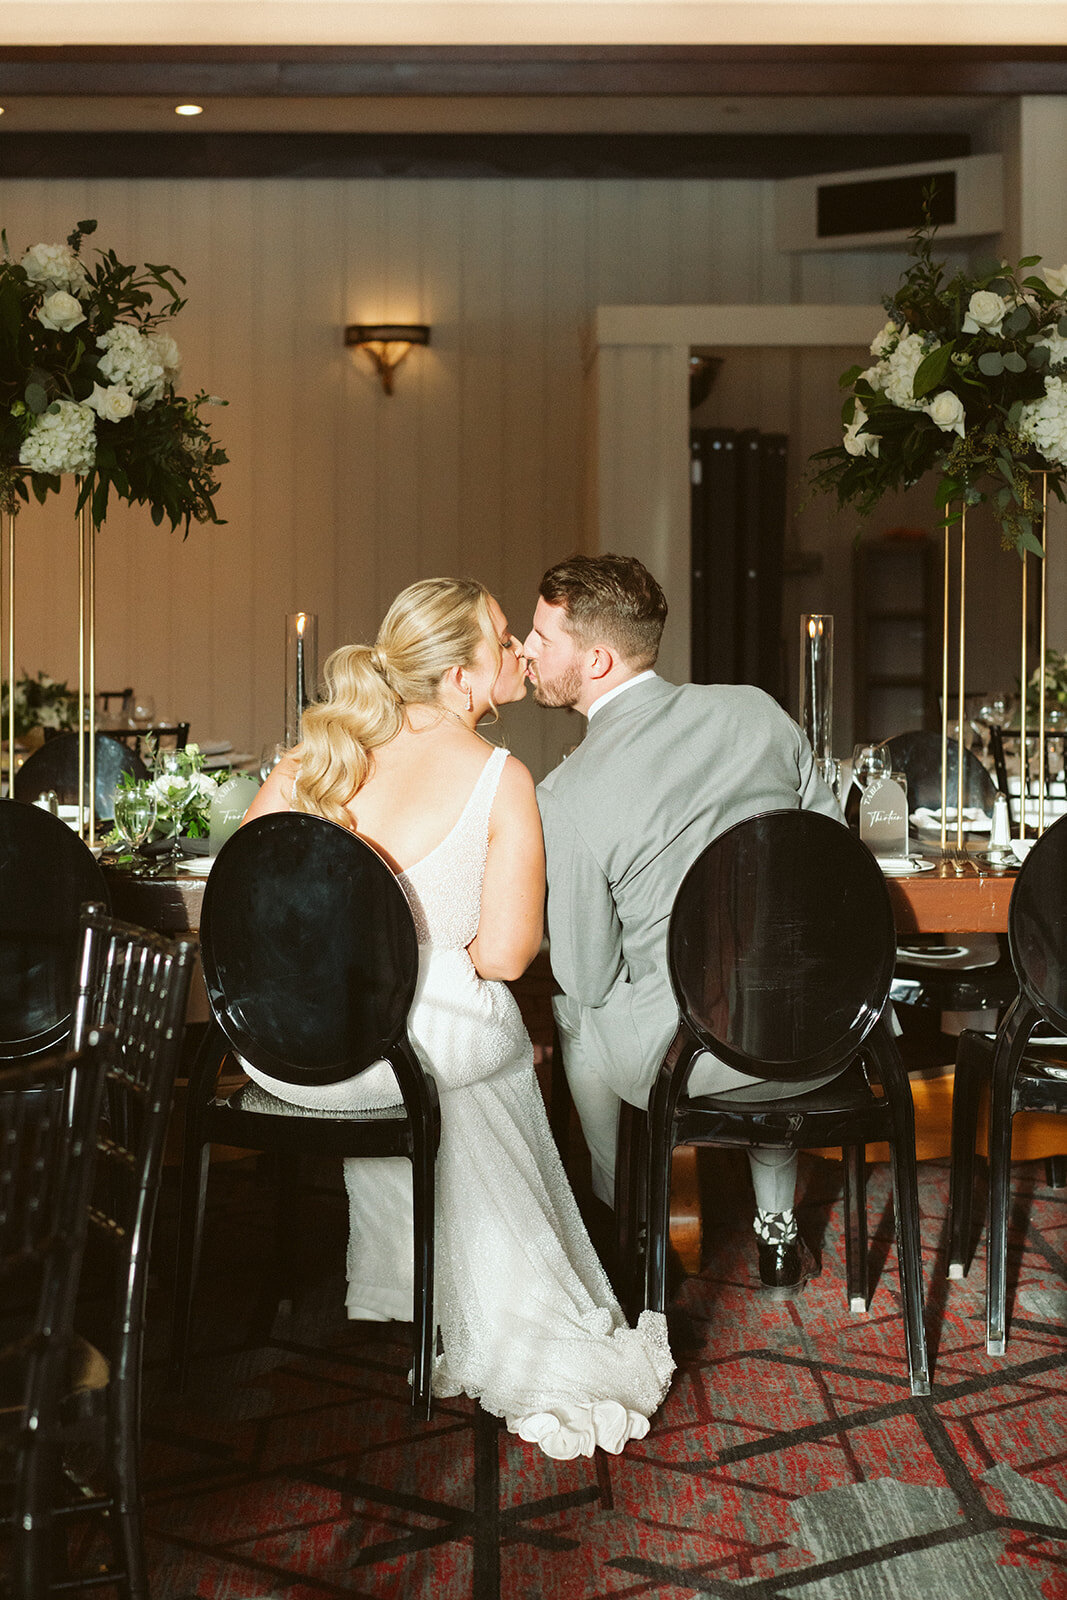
(470, 698)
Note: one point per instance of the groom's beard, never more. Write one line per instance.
(562, 690)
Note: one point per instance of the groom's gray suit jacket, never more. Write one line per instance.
(661, 772)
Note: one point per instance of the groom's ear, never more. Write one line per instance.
(601, 660)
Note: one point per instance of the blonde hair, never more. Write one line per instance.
(429, 628)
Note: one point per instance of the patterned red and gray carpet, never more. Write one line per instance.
(790, 1461)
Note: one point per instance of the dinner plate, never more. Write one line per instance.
(199, 865)
(905, 867)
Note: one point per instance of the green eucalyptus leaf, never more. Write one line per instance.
(847, 379)
(1027, 539)
(991, 363)
(931, 369)
(1061, 327)
(36, 398)
(1017, 319)
(1039, 356)
(1014, 362)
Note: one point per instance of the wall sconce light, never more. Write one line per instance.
(387, 343)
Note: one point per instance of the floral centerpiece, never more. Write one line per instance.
(181, 789)
(40, 702)
(969, 379)
(88, 368)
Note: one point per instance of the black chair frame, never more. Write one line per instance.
(844, 1112)
(412, 1132)
(1021, 1074)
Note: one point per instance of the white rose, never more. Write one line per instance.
(856, 442)
(900, 369)
(1056, 278)
(985, 312)
(946, 409)
(60, 312)
(111, 404)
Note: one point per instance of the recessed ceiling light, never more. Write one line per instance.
(188, 111)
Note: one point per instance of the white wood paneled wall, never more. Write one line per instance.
(335, 496)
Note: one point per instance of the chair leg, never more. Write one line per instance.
(855, 1164)
(895, 1083)
(1056, 1172)
(631, 1185)
(1011, 1042)
(658, 1220)
(192, 1200)
(425, 1322)
(971, 1072)
(128, 1511)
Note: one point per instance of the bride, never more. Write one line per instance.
(528, 1322)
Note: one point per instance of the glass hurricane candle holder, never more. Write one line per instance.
(817, 685)
(301, 669)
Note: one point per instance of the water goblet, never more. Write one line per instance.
(135, 815)
(869, 763)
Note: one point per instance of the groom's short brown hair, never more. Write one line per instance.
(610, 598)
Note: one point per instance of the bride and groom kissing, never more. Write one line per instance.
(529, 1323)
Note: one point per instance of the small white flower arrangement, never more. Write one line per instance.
(970, 380)
(181, 789)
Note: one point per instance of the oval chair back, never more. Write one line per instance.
(1037, 925)
(918, 756)
(46, 872)
(781, 945)
(309, 949)
(55, 766)
(311, 960)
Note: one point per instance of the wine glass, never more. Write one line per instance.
(869, 763)
(269, 760)
(143, 711)
(135, 814)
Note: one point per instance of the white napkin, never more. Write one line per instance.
(974, 819)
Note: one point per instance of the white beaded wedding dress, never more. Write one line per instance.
(529, 1323)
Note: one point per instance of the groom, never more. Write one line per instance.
(663, 770)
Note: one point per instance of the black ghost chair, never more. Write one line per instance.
(46, 873)
(54, 766)
(1024, 1074)
(781, 949)
(311, 959)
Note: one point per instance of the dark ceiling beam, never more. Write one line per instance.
(348, 155)
(497, 70)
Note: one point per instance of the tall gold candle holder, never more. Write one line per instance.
(9, 551)
(86, 672)
(954, 852)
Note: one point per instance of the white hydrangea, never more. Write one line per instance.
(1044, 422)
(63, 439)
(56, 267)
(168, 355)
(1056, 346)
(886, 341)
(132, 362)
(900, 370)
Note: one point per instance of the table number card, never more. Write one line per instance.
(884, 818)
(228, 805)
